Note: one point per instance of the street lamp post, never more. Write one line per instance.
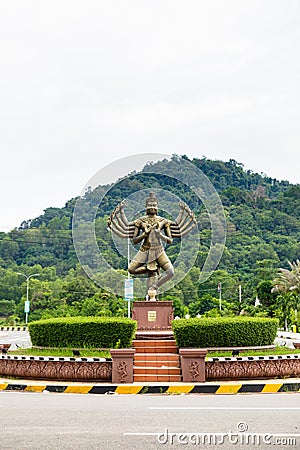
(27, 292)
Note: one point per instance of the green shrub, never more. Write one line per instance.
(224, 332)
(80, 332)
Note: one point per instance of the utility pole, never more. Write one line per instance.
(27, 304)
(220, 295)
(128, 284)
(240, 293)
(128, 257)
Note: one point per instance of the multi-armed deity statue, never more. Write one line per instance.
(152, 230)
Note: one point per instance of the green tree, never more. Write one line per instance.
(203, 305)
(265, 293)
(77, 290)
(180, 310)
(287, 284)
(7, 308)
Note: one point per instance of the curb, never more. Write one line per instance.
(218, 388)
(13, 329)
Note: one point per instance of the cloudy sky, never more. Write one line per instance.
(84, 83)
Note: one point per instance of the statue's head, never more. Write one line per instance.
(151, 204)
(152, 292)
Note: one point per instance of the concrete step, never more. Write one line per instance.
(153, 342)
(158, 346)
(166, 349)
(157, 378)
(156, 371)
(151, 335)
(151, 363)
(156, 357)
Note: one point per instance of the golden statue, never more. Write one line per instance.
(152, 230)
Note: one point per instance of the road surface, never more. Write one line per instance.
(16, 339)
(137, 422)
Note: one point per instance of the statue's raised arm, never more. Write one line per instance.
(119, 224)
(184, 223)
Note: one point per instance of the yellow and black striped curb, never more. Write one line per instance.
(13, 329)
(234, 388)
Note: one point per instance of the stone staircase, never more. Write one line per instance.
(156, 360)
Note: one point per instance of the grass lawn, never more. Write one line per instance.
(63, 352)
(276, 351)
(90, 353)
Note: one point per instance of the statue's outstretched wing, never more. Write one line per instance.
(119, 224)
(184, 223)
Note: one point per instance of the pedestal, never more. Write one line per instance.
(153, 315)
(193, 364)
(122, 365)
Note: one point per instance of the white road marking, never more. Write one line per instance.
(286, 435)
(224, 408)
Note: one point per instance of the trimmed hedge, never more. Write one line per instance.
(83, 332)
(224, 332)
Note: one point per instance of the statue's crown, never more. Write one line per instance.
(151, 198)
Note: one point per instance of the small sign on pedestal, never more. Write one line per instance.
(151, 316)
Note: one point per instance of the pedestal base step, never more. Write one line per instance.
(159, 357)
(155, 346)
(148, 370)
(154, 363)
(146, 335)
(156, 378)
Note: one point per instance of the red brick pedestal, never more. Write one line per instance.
(193, 364)
(153, 315)
(122, 365)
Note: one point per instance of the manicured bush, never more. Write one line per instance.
(80, 332)
(224, 332)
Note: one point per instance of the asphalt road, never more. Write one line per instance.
(15, 338)
(71, 421)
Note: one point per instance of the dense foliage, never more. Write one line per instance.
(83, 332)
(224, 332)
(263, 234)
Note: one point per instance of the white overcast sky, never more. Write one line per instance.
(84, 83)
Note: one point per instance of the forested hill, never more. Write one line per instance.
(235, 184)
(263, 226)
